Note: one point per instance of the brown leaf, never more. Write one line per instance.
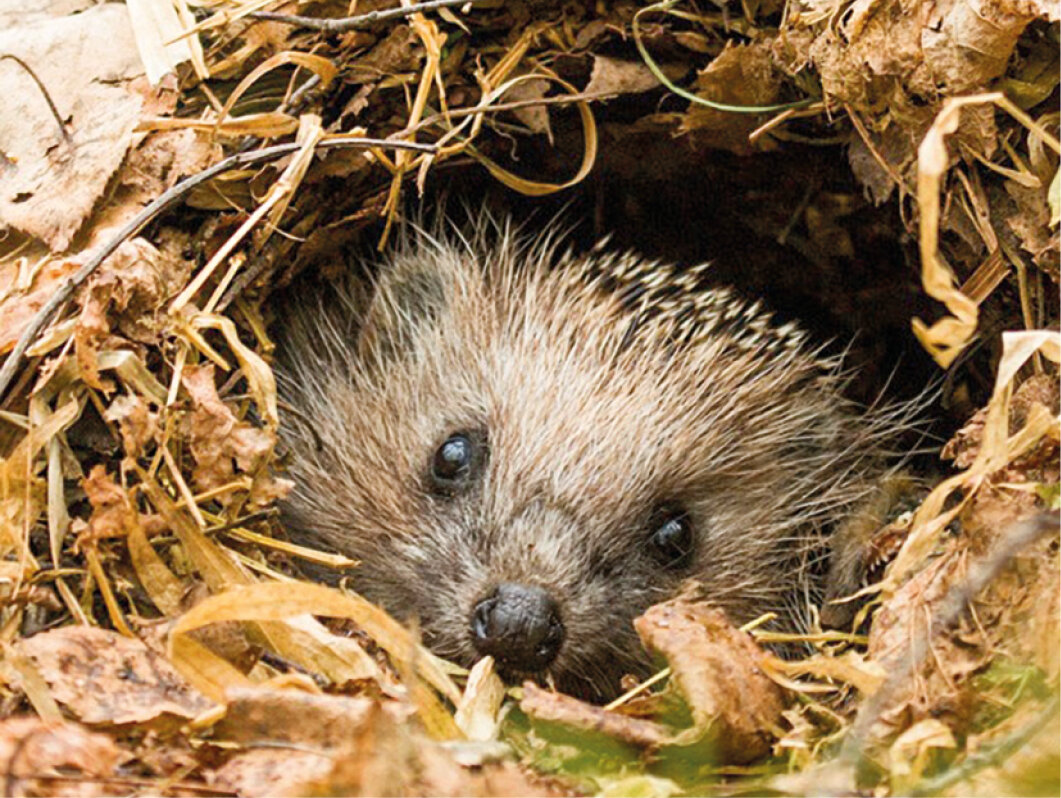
(127, 284)
(396, 53)
(386, 757)
(265, 772)
(267, 489)
(717, 670)
(876, 180)
(218, 440)
(46, 759)
(13, 12)
(740, 75)
(1048, 9)
(228, 639)
(110, 505)
(51, 184)
(736, 708)
(137, 423)
(545, 705)
(1015, 616)
(1031, 223)
(906, 617)
(615, 76)
(19, 303)
(103, 677)
(127, 287)
(295, 718)
(91, 331)
(132, 284)
(1021, 609)
(888, 53)
(966, 48)
(535, 117)
(161, 160)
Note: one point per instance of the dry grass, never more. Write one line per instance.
(140, 413)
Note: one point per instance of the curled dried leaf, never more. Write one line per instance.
(719, 671)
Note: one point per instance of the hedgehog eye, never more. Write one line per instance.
(456, 462)
(672, 536)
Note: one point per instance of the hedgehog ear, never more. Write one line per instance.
(408, 298)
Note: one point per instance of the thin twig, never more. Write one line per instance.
(294, 102)
(44, 92)
(290, 106)
(342, 24)
(164, 201)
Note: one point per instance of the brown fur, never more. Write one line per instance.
(605, 385)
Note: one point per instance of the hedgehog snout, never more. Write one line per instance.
(519, 625)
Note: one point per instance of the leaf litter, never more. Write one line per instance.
(156, 635)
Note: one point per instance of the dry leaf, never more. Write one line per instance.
(535, 117)
(57, 759)
(566, 711)
(83, 61)
(964, 446)
(387, 758)
(111, 509)
(264, 772)
(136, 422)
(295, 718)
(718, 670)
(22, 298)
(17, 12)
(397, 53)
(105, 678)
(220, 442)
(615, 76)
(740, 75)
(477, 713)
(1033, 226)
(997, 451)
(909, 754)
(91, 332)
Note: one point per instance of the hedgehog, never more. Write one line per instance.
(525, 448)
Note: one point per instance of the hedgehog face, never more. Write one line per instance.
(524, 463)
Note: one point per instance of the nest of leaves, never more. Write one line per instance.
(164, 167)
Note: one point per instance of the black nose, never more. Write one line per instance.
(519, 626)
